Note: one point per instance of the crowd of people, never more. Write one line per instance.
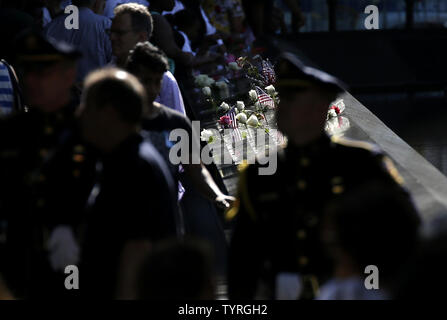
(86, 178)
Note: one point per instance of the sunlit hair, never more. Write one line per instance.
(141, 18)
(117, 88)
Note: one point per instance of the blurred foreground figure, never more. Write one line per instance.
(133, 203)
(425, 278)
(359, 230)
(275, 250)
(177, 271)
(37, 183)
(148, 64)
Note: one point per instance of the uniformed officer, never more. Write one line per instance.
(40, 166)
(276, 233)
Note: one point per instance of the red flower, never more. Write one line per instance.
(337, 109)
(225, 121)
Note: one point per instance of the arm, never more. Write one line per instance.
(205, 185)
(164, 38)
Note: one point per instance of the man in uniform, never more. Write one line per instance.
(40, 170)
(275, 245)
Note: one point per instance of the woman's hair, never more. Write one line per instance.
(148, 56)
(184, 19)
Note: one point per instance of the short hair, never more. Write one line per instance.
(140, 16)
(185, 18)
(148, 56)
(117, 88)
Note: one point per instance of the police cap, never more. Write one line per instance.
(33, 47)
(293, 74)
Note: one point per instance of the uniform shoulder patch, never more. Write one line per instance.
(392, 170)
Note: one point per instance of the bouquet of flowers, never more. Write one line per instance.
(260, 71)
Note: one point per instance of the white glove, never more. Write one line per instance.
(63, 248)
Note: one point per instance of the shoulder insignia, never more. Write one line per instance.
(392, 170)
(243, 197)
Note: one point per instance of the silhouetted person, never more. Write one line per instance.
(36, 191)
(134, 199)
(91, 37)
(276, 231)
(425, 278)
(377, 225)
(177, 271)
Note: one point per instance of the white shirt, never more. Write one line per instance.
(209, 27)
(352, 288)
(170, 94)
(178, 7)
(187, 45)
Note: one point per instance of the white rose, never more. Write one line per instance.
(241, 117)
(253, 121)
(270, 90)
(233, 66)
(253, 95)
(206, 91)
(258, 105)
(202, 80)
(205, 135)
(332, 113)
(240, 105)
(198, 80)
(224, 106)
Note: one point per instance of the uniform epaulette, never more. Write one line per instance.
(243, 197)
(392, 170)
